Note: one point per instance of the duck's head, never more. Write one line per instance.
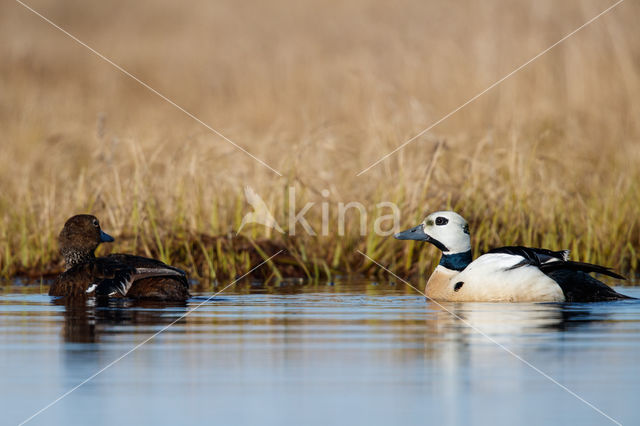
(80, 238)
(446, 230)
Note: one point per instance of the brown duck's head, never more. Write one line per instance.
(79, 239)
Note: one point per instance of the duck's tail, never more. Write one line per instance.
(579, 286)
(579, 266)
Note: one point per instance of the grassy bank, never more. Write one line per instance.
(319, 92)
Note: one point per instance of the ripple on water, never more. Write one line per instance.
(348, 353)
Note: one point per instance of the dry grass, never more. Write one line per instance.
(319, 90)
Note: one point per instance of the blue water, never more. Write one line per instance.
(351, 353)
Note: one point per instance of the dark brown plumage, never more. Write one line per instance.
(118, 275)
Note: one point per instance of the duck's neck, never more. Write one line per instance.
(456, 261)
(73, 256)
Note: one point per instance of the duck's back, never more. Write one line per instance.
(151, 286)
(571, 276)
(492, 278)
(140, 262)
(71, 283)
(76, 281)
(160, 288)
(123, 275)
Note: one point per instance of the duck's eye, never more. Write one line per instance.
(95, 223)
(441, 220)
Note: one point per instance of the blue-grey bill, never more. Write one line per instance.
(415, 233)
(106, 238)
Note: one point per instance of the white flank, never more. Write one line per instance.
(489, 279)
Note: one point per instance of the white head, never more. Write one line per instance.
(446, 230)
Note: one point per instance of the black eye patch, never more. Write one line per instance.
(441, 220)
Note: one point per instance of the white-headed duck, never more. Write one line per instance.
(506, 274)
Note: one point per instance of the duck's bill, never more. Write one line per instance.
(415, 233)
(106, 238)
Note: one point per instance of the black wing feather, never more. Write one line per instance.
(125, 269)
(142, 262)
(534, 256)
(548, 260)
(579, 286)
(572, 277)
(117, 273)
(111, 286)
(579, 266)
(112, 276)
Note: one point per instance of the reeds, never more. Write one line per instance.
(548, 158)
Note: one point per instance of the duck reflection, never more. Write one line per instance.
(85, 320)
(514, 319)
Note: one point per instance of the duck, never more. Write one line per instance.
(504, 274)
(115, 275)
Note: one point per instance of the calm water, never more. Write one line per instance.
(356, 353)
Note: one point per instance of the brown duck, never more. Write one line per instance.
(115, 275)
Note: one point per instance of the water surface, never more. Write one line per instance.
(350, 353)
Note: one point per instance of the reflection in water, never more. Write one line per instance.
(356, 353)
(512, 318)
(84, 320)
(79, 321)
